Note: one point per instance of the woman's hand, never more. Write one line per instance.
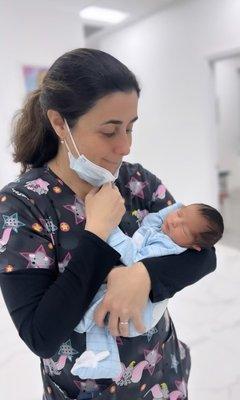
(104, 209)
(127, 294)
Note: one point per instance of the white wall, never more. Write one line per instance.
(175, 137)
(30, 33)
(227, 84)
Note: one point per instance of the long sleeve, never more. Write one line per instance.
(172, 273)
(44, 306)
(39, 303)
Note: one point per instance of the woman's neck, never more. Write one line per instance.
(60, 166)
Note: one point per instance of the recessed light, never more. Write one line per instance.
(106, 15)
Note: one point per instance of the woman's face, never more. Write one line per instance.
(104, 134)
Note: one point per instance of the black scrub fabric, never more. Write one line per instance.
(51, 268)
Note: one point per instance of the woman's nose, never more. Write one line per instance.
(123, 146)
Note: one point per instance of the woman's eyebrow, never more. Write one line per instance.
(117, 122)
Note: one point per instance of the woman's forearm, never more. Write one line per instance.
(170, 274)
(45, 308)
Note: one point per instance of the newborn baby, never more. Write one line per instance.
(169, 231)
(195, 226)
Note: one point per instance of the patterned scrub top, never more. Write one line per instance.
(46, 260)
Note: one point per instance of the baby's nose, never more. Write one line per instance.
(174, 223)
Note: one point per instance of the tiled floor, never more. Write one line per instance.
(206, 316)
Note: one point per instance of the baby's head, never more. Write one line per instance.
(196, 226)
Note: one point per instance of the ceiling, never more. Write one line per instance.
(131, 6)
(137, 9)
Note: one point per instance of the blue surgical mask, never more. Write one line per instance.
(86, 169)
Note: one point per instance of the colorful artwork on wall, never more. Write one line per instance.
(33, 76)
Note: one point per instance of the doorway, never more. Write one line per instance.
(226, 72)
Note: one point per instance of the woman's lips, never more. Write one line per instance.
(112, 162)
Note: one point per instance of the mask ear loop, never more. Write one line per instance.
(64, 141)
(73, 142)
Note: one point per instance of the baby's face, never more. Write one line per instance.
(183, 225)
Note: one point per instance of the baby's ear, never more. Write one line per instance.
(196, 247)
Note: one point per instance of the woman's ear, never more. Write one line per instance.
(57, 123)
(196, 247)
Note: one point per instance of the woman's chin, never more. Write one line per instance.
(111, 166)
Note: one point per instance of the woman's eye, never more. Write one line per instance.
(109, 134)
(113, 133)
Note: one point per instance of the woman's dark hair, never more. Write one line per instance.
(72, 86)
(215, 226)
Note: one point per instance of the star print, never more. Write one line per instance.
(11, 221)
(8, 268)
(182, 350)
(136, 187)
(165, 391)
(175, 363)
(167, 321)
(160, 193)
(20, 194)
(38, 185)
(64, 263)
(182, 386)
(57, 189)
(3, 198)
(4, 239)
(87, 386)
(140, 214)
(126, 375)
(153, 357)
(38, 259)
(50, 367)
(64, 227)
(78, 210)
(37, 227)
(150, 333)
(66, 349)
(49, 225)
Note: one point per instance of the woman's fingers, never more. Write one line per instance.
(91, 193)
(104, 209)
(113, 324)
(124, 327)
(104, 313)
(100, 314)
(115, 317)
(137, 322)
(127, 294)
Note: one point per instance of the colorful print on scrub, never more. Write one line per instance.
(42, 212)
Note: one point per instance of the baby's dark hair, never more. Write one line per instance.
(215, 226)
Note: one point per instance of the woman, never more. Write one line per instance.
(70, 139)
